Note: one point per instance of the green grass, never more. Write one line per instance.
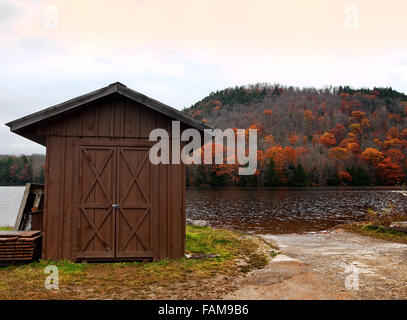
(204, 240)
(166, 279)
(6, 228)
(376, 231)
(64, 266)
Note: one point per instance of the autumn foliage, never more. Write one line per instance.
(19, 170)
(327, 136)
(328, 139)
(372, 156)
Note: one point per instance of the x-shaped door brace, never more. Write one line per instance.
(134, 230)
(135, 180)
(134, 175)
(97, 174)
(96, 229)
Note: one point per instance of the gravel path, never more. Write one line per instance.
(329, 265)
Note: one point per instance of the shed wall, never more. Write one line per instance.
(115, 121)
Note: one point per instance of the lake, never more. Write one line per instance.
(277, 210)
(10, 200)
(289, 210)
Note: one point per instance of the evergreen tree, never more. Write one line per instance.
(360, 177)
(41, 178)
(271, 178)
(252, 180)
(297, 176)
(201, 178)
(242, 181)
(216, 179)
(333, 181)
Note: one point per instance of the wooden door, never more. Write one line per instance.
(97, 192)
(134, 220)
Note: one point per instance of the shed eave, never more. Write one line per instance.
(59, 108)
(21, 123)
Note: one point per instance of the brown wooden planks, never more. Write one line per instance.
(20, 234)
(53, 216)
(112, 122)
(20, 245)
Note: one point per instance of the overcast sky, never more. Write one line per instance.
(179, 51)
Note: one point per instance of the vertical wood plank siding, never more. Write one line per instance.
(110, 121)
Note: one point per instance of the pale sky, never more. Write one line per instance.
(179, 51)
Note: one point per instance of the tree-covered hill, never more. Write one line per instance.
(309, 136)
(312, 136)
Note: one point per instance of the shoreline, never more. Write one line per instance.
(316, 266)
(298, 266)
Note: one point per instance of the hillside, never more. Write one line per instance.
(311, 136)
(333, 136)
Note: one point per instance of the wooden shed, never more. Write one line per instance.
(104, 200)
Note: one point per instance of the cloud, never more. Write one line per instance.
(8, 12)
(186, 49)
(14, 144)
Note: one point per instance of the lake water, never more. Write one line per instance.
(10, 200)
(288, 210)
(279, 210)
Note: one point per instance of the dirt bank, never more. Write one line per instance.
(325, 266)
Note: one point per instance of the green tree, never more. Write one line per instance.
(333, 180)
(216, 179)
(242, 181)
(41, 177)
(271, 178)
(201, 177)
(297, 176)
(360, 177)
(252, 180)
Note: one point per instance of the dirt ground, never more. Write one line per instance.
(324, 265)
(200, 278)
(328, 265)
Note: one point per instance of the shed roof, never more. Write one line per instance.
(19, 125)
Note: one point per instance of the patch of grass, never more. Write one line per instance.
(376, 231)
(255, 261)
(165, 279)
(6, 228)
(204, 240)
(64, 266)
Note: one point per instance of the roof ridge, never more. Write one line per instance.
(116, 87)
(117, 83)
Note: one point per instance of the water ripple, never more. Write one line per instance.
(288, 210)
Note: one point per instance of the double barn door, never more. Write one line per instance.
(114, 214)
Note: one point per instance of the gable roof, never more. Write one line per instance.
(117, 87)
